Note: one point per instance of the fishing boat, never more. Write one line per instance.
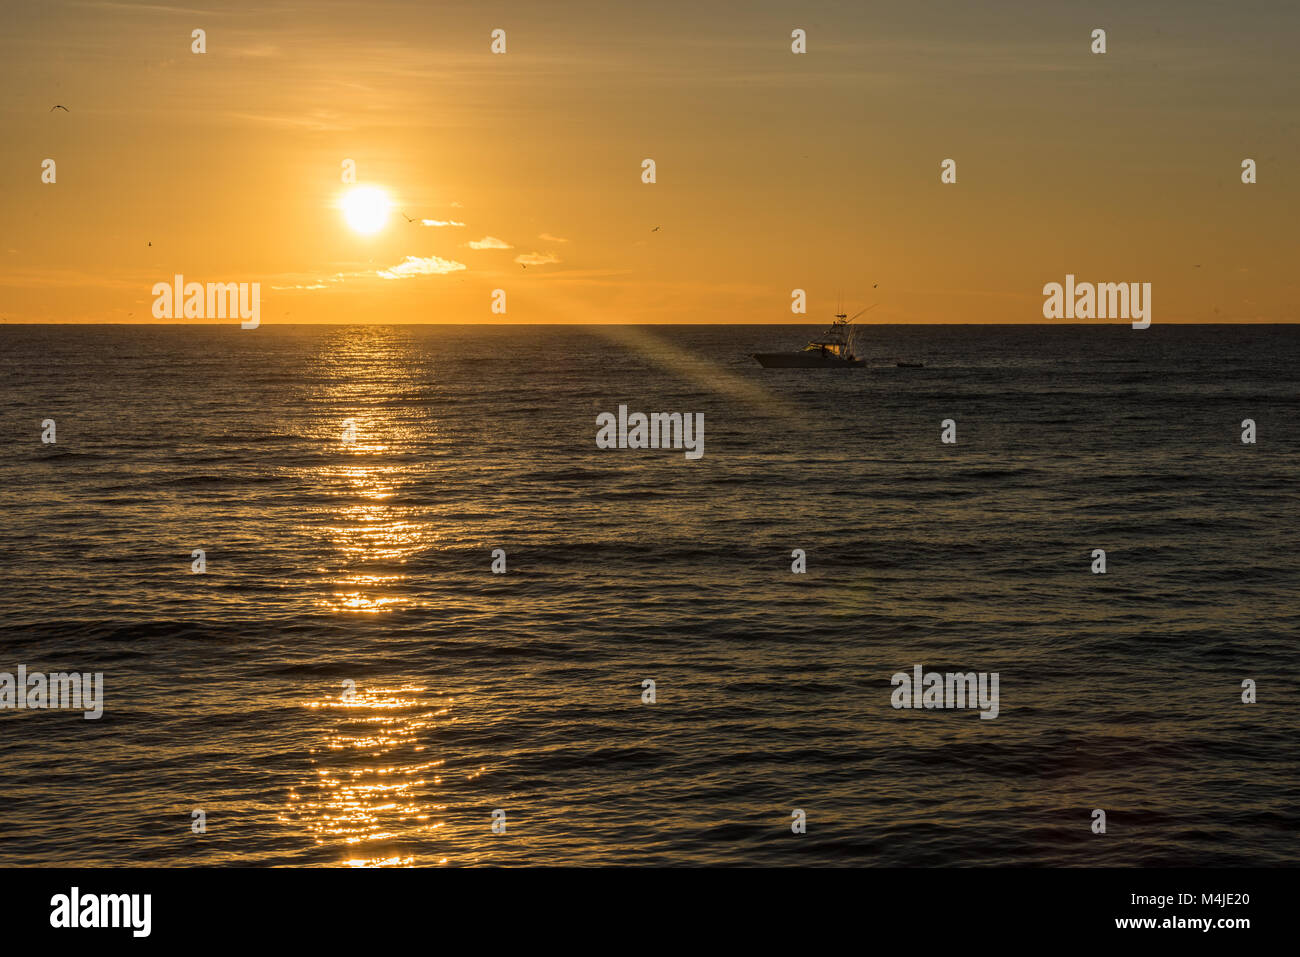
(832, 350)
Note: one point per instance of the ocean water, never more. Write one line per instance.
(367, 566)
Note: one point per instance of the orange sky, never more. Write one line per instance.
(775, 171)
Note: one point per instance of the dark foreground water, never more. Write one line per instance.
(330, 563)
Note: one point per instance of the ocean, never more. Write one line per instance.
(348, 682)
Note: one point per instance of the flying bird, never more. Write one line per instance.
(407, 218)
(58, 106)
(655, 230)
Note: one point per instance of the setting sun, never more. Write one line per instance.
(366, 209)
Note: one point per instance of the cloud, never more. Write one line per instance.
(536, 259)
(415, 266)
(440, 222)
(489, 242)
(551, 239)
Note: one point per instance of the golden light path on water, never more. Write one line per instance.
(373, 531)
(373, 796)
(366, 465)
(373, 775)
(373, 792)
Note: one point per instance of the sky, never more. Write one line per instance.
(775, 171)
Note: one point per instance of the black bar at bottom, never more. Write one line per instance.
(646, 907)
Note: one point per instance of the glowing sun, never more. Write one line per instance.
(366, 209)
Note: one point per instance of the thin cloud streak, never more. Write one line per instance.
(415, 266)
(488, 242)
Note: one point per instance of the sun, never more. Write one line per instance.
(366, 209)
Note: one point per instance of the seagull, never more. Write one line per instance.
(655, 230)
(58, 106)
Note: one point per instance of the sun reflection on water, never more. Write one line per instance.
(366, 452)
(371, 793)
(375, 531)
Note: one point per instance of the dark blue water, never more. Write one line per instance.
(370, 563)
